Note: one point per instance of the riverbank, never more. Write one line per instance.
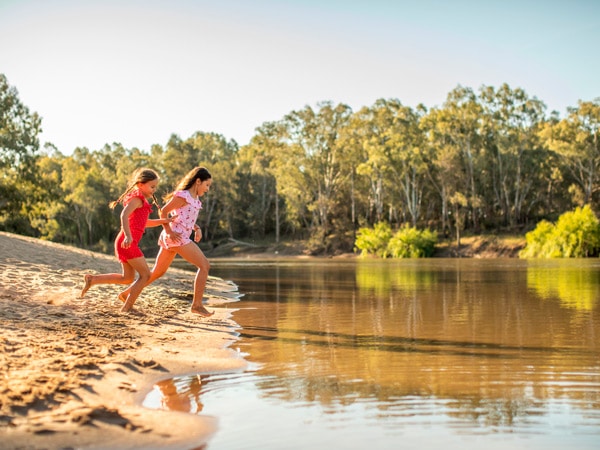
(74, 371)
(485, 246)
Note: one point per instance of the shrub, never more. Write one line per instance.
(575, 235)
(374, 241)
(408, 242)
(537, 240)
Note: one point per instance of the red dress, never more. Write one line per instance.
(137, 225)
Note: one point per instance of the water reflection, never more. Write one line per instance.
(574, 283)
(179, 394)
(462, 346)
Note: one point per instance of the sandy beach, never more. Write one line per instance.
(73, 372)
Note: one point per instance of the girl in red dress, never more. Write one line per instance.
(183, 205)
(134, 220)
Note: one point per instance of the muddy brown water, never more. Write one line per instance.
(433, 353)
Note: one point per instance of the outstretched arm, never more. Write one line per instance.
(157, 222)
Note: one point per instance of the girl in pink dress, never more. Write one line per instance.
(134, 220)
(184, 205)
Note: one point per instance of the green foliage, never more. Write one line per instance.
(537, 240)
(44, 219)
(482, 161)
(407, 242)
(575, 235)
(575, 286)
(383, 277)
(374, 241)
(19, 131)
(219, 156)
(575, 140)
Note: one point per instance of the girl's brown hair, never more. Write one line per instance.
(197, 173)
(143, 175)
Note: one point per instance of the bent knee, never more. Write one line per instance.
(158, 273)
(204, 266)
(144, 276)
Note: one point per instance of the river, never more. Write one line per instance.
(429, 353)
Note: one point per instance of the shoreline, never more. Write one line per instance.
(483, 247)
(75, 371)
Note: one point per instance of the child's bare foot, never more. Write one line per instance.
(128, 304)
(87, 283)
(132, 312)
(202, 311)
(126, 308)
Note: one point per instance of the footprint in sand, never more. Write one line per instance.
(56, 297)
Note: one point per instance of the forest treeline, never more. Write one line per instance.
(485, 161)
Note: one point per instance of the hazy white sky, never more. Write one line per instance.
(136, 71)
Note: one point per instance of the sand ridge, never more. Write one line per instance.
(74, 371)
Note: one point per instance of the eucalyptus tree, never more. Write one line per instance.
(19, 143)
(117, 164)
(219, 156)
(177, 159)
(456, 131)
(364, 136)
(514, 153)
(405, 151)
(85, 191)
(258, 163)
(575, 139)
(19, 129)
(392, 158)
(443, 165)
(313, 138)
(255, 190)
(47, 212)
(284, 158)
(445, 170)
(364, 182)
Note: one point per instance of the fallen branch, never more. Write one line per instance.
(248, 244)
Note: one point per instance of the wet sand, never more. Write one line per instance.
(73, 372)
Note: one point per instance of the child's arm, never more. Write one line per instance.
(197, 233)
(156, 222)
(173, 204)
(134, 204)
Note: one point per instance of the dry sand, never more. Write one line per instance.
(73, 372)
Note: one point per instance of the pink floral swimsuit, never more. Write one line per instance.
(183, 223)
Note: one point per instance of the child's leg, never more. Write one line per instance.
(141, 267)
(108, 278)
(162, 263)
(192, 254)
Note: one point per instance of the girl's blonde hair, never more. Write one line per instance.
(197, 173)
(143, 175)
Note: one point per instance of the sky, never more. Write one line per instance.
(135, 72)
